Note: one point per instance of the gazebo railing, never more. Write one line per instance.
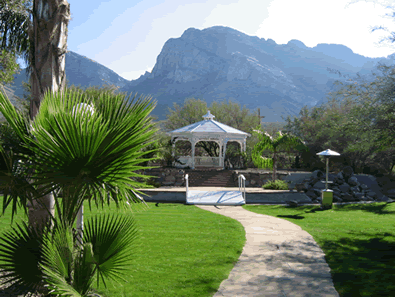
(207, 161)
(184, 159)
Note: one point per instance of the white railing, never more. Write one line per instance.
(241, 184)
(186, 183)
(207, 161)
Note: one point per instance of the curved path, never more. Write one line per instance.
(279, 259)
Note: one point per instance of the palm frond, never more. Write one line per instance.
(84, 270)
(113, 238)
(20, 254)
(288, 141)
(61, 257)
(265, 142)
(15, 24)
(16, 188)
(58, 250)
(57, 285)
(15, 118)
(92, 151)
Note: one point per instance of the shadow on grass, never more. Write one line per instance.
(311, 209)
(362, 260)
(209, 283)
(376, 208)
(362, 267)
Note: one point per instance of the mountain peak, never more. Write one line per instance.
(296, 42)
(327, 48)
(220, 63)
(191, 32)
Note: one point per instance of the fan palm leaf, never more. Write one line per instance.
(112, 238)
(20, 255)
(88, 156)
(106, 253)
(61, 255)
(15, 186)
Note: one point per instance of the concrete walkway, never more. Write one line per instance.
(279, 259)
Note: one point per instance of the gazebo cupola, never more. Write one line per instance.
(208, 116)
(207, 130)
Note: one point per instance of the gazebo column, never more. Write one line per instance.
(173, 148)
(224, 152)
(221, 159)
(193, 153)
(244, 148)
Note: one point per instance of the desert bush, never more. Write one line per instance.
(276, 185)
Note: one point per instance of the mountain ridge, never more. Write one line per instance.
(220, 63)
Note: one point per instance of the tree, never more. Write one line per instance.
(267, 142)
(44, 44)
(8, 67)
(15, 27)
(227, 113)
(350, 122)
(87, 158)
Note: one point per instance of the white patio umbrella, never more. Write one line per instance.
(328, 153)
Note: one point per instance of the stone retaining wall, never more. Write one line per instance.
(175, 177)
(165, 176)
(256, 179)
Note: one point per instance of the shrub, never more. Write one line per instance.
(153, 182)
(276, 185)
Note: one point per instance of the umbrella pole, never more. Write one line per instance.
(327, 162)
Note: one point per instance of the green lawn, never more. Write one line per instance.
(358, 242)
(184, 251)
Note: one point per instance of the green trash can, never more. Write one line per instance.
(327, 198)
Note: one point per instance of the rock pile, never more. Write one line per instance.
(346, 187)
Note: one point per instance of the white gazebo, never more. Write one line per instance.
(207, 130)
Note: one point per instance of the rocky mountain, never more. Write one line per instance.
(220, 63)
(80, 70)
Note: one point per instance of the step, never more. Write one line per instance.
(221, 179)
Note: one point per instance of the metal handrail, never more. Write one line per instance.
(241, 178)
(186, 178)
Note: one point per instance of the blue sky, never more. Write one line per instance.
(127, 36)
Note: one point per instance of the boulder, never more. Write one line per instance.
(347, 172)
(292, 203)
(391, 193)
(348, 187)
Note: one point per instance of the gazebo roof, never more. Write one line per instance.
(208, 125)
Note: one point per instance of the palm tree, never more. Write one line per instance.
(267, 142)
(43, 43)
(88, 157)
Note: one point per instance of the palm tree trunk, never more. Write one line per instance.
(48, 48)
